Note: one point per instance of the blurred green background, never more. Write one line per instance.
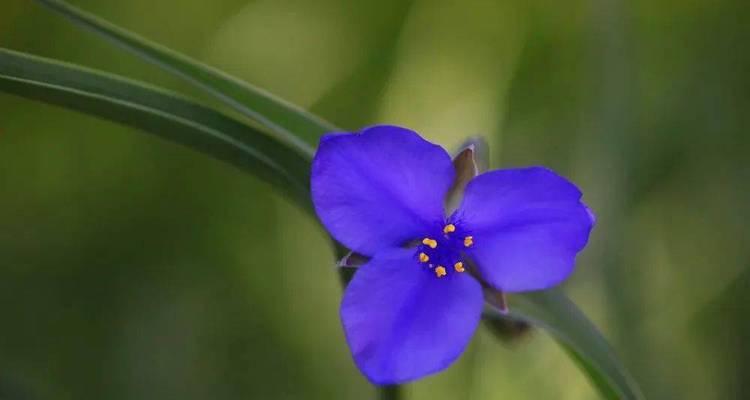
(131, 268)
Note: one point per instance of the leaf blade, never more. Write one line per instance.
(554, 312)
(159, 112)
(290, 123)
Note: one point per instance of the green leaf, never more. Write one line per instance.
(159, 112)
(284, 162)
(290, 123)
(552, 311)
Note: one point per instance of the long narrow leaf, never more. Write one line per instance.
(213, 133)
(159, 112)
(554, 312)
(291, 123)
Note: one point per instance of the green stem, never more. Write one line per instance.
(391, 392)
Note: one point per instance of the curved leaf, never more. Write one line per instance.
(292, 124)
(206, 130)
(554, 312)
(159, 112)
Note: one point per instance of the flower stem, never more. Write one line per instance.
(391, 392)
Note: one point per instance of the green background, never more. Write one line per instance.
(131, 268)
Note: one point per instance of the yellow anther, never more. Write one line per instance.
(459, 267)
(429, 242)
(468, 241)
(440, 271)
(449, 228)
(424, 257)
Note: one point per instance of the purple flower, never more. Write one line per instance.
(412, 309)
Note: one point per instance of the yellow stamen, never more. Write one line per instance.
(459, 267)
(440, 271)
(449, 228)
(424, 257)
(468, 241)
(429, 242)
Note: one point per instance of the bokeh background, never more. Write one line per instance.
(131, 268)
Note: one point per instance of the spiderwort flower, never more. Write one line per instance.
(413, 307)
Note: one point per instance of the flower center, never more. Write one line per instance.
(441, 251)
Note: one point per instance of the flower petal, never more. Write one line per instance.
(527, 225)
(380, 188)
(402, 322)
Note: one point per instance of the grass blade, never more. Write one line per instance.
(554, 312)
(290, 123)
(158, 112)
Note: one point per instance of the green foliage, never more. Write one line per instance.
(158, 112)
(276, 147)
(554, 312)
(297, 127)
